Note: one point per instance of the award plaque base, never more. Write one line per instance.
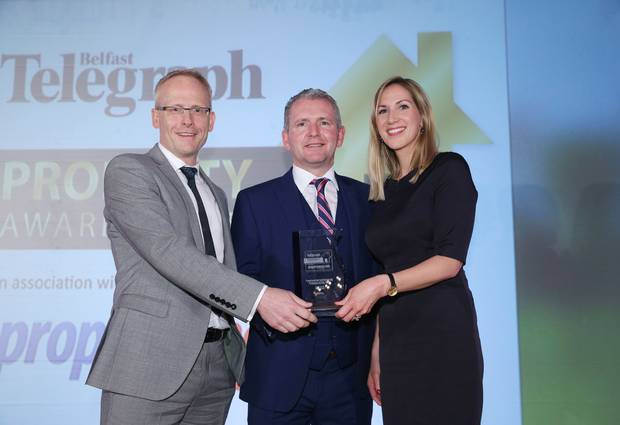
(324, 310)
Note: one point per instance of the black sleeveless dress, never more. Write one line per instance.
(430, 357)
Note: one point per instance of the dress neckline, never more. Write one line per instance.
(410, 174)
(406, 177)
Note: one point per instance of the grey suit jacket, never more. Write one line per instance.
(165, 284)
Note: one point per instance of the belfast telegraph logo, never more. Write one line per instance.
(113, 79)
(52, 199)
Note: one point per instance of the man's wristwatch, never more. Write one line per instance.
(393, 289)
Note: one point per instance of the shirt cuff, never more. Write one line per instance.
(255, 306)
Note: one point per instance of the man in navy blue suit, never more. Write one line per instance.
(318, 375)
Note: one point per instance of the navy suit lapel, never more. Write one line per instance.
(352, 210)
(289, 206)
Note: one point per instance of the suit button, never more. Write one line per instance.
(227, 304)
(212, 296)
(217, 299)
(234, 306)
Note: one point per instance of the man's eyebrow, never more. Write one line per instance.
(306, 119)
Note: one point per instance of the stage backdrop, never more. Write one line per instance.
(76, 88)
(565, 134)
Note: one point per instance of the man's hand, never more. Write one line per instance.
(284, 311)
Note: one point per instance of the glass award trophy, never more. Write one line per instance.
(319, 270)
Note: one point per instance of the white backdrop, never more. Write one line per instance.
(76, 82)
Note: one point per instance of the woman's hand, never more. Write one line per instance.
(362, 297)
(374, 385)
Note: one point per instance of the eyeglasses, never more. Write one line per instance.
(178, 110)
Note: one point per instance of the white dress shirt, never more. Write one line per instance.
(302, 179)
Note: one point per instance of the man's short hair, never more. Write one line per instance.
(312, 94)
(192, 73)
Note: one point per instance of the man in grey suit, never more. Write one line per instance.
(171, 352)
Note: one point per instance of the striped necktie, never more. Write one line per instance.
(325, 215)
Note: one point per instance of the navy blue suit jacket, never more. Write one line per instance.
(264, 219)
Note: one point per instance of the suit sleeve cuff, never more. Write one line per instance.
(255, 306)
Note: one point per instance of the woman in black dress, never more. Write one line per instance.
(426, 360)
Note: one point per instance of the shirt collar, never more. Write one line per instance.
(302, 178)
(173, 159)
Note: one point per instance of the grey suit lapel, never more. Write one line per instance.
(167, 170)
(229, 253)
(234, 355)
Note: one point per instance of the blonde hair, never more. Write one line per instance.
(382, 161)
